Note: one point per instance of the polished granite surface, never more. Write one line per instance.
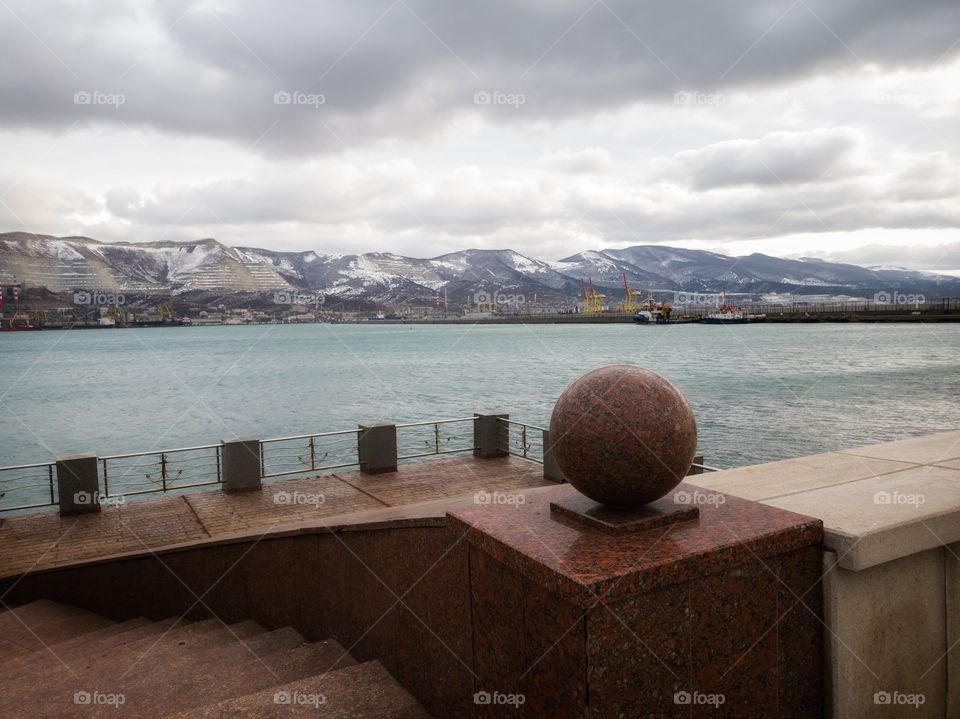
(584, 564)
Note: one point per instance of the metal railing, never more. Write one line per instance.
(434, 437)
(162, 471)
(705, 468)
(23, 480)
(285, 456)
(526, 443)
(30, 486)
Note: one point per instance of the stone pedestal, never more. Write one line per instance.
(241, 464)
(78, 483)
(491, 436)
(377, 447)
(716, 616)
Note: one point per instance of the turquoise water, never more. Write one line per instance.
(760, 392)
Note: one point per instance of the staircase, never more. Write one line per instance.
(60, 661)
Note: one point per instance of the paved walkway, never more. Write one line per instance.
(40, 541)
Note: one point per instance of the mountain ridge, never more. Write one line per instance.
(74, 262)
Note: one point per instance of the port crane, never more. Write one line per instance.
(631, 301)
(592, 300)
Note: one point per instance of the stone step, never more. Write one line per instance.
(309, 660)
(41, 624)
(108, 667)
(191, 689)
(176, 679)
(108, 635)
(363, 691)
(37, 612)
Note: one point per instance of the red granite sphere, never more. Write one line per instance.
(623, 436)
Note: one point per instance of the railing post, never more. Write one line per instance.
(697, 459)
(491, 437)
(377, 447)
(78, 483)
(551, 470)
(241, 464)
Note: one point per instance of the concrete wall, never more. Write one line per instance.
(886, 637)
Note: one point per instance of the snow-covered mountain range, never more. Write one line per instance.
(68, 263)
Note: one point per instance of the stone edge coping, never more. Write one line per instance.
(431, 513)
(857, 552)
(863, 550)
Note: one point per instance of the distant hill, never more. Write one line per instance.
(67, 263)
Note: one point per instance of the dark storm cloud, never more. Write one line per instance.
(404, 68)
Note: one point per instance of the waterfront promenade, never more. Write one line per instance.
(332, 556)
(45, 540)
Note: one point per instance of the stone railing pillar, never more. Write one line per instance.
(551, 470)
(377, 447)
(697, 459)
(78, 483)
(240, 464)
(491, 437)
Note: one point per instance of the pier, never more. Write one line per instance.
(945, 310)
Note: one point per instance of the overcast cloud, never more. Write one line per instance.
(795, 128)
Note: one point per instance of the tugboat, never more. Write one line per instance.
(653, 313)
(730, 315)
(727, 316)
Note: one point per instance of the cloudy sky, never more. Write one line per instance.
(811, 127)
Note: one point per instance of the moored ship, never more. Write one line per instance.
(729, 315)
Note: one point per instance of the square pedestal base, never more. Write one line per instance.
(578, 508)
(715, 617)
